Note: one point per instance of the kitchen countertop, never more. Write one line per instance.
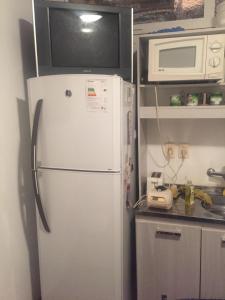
(178, 211)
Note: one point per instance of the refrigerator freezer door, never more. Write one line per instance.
(82, 256)
(79, 126)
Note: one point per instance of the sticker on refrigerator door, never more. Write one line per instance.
(96, 97)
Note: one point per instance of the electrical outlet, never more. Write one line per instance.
(170, 150)
(183, 151)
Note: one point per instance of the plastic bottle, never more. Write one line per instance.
(189, 194)
(192, 197)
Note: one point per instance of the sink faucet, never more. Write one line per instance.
(211, 173)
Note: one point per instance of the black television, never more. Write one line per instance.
(82, 39)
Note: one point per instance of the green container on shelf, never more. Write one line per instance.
(216, 98)
(192, 99)
(175, 100)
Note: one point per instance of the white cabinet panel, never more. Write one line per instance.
(168, 260)
(213, 264)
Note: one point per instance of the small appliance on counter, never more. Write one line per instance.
(158, 196)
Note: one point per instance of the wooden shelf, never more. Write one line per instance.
(183, 112)
(188, 32)
(182, 85)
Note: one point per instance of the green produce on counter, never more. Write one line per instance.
(198, 194)
(203, 196)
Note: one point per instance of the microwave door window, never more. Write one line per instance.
(179, 58)
(175, 58)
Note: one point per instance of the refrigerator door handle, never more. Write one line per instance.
(34, 165)
(38, 201)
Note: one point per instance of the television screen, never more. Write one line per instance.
(84, 39)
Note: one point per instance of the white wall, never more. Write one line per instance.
(207, 149)
(19, 278)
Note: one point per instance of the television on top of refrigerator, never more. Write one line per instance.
(82, 39)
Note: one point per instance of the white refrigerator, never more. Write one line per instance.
(83, 158)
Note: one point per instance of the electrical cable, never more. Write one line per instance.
(140, 202)
(167, 159)
(158, 124)
(156, 163)
(174, 178)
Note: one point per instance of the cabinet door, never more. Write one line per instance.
(168, 260)
(213, 264)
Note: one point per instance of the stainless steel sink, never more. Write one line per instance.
(218, 206)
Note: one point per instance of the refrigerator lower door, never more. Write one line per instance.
(81, 259)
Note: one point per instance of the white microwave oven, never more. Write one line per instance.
(188, 58)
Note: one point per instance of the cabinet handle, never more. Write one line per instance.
(173, 233)
(223, 240)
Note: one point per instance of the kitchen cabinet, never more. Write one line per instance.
(160, 123)
(168, 260)
(179, 260)
(213, 263)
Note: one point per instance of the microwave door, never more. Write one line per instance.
(177, 58)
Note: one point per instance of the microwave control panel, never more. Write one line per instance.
(215, 56)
